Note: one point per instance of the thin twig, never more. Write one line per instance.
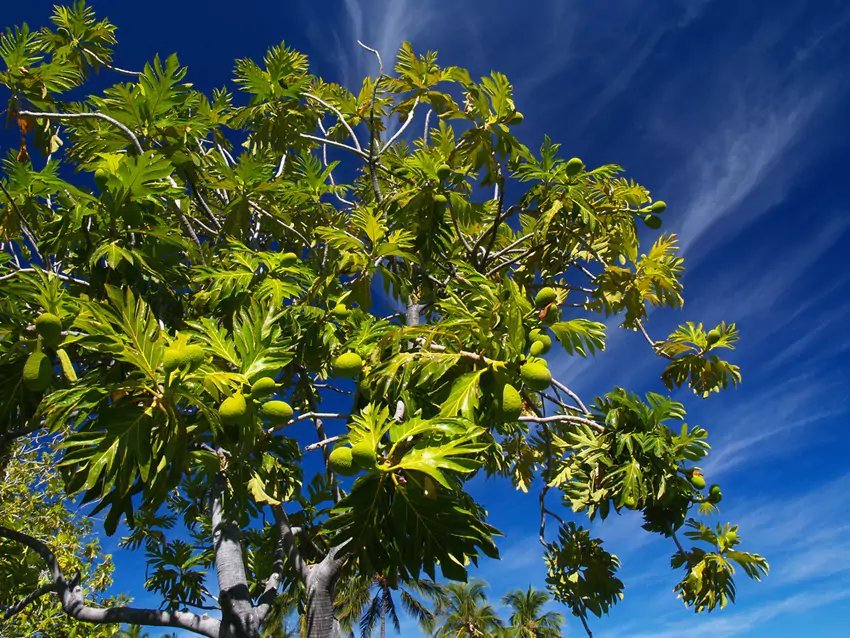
(97, 116)
(107, 65)
(341, 119)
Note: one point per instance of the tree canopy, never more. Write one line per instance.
(274, 330)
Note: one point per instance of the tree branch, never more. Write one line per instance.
(341, 119)
(27, 600)
(287, 542)
(98, 116)
(107, 65)
(71, 597)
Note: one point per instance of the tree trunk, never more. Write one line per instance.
(321, 585)
(383, 615)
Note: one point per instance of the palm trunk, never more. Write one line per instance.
(384, 616)
(321, 585)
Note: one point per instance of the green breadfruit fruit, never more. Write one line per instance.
(340, 311)
(363, 455)
(233, 409)
(653, 221)
(174, 357)
(288, 259)
(444, 171)
(263, 387)
(348, 365)
(341, 461)
(714, 494)
(195, 355)
(698, 480)
(49, 326)
(439, 198)
(540, 346)
(535, 375)
(658, 207)
(713, 336)
(38, 372)
(574, 167)
(276, 411)
(517, 118)
(66, 365)
(511, 407)
(545, 296)
(100, 178)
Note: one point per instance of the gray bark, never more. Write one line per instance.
(240, 618)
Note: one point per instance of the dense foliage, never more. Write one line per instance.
(189, 280)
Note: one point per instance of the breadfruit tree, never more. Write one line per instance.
(274, 330)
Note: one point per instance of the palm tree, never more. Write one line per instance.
(369, 602)
(464, 612)
(527, 620)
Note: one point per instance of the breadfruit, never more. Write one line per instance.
(340, 311)
(174, 357)
(276, 411)
(439, 198)
(233, 409)
(511, 407)
(550, 314)
(38, 373)
(263, 387)
(712, 337)
(574, 166)
(653, 221)
(545, 296)
(444, 171)
(539, 346)
(698, 480)
(341, 461)
(288, 259)
(194, 355)
(535, 375)
(348, 365)
(714, 494)
(49, 327)
(658, 207)
(363, 454)
(517, 118)
(100, 177)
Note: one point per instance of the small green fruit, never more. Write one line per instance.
(712, 337)
(38, 373)
(653, 221)
(341, 461)
(174, 357)
(348, 365)
(439, 198)
(540, 345)
(233, 409)
(276, 411)
(574, 167)
(444, 171)
(49, 327)
(535, 375)
(517, 118)
(714, 494)
(698, 480)
(263, 387)
(340, 311)
(550, 314)
(630, 502)
(195, 355)
(545, 296)
(511, 407)
(658, 207)
(288, 259)
(100, 178)
(363, 455)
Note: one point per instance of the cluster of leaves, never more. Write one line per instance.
(32, 500)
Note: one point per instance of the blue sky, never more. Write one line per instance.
(736, 114)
